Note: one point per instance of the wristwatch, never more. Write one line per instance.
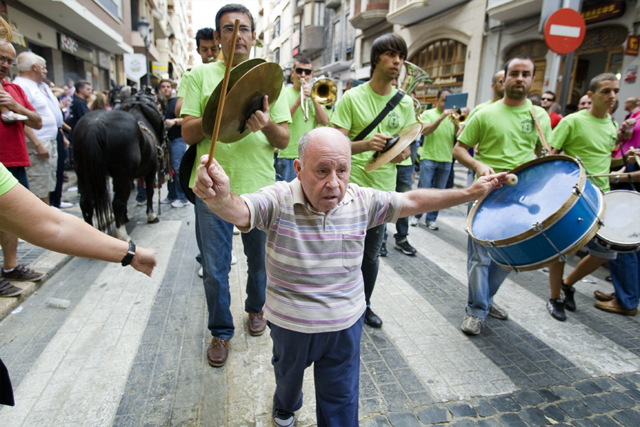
(129, 256)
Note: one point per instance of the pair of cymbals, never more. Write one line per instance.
(249, 82)
(400, 141)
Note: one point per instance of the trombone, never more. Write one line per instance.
(323, 92)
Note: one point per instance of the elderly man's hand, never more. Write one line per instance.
(212, 183)
(260, 118)
(6, 100)
(486, 183)
(144, 260)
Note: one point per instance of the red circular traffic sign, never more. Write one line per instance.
(564, 31)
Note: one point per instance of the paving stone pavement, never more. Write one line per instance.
(419, 369)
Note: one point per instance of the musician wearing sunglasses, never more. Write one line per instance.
(316, 114)
(506, 138)
(591, 135)
(249, 164)
(357, 109)
(547, 100)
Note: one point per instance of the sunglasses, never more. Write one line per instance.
(547, 99)
(304, 70)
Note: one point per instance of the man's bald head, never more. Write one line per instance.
(323, 136)
(497, 84)
(631, 104)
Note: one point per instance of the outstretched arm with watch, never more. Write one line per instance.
(24, 215)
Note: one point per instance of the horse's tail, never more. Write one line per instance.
(89, 140)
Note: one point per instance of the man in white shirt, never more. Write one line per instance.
(44, 163)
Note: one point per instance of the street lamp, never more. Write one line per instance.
(145, 33)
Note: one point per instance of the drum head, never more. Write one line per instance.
(543, 187)
(622, 225)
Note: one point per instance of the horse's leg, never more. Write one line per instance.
(121, 193)
(86, 205)
(149, 181)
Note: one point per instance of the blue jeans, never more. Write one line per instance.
(141, 192)
(336, 367)
(485, 278)
(433, 175)
(625, 274)
(55, 197)
(372, 244)
(214, 237)
(178, 148)
(285, 167)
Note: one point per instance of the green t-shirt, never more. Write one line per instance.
(355, 111)
(438, 145)
(182, 90)
(7, 180)
(591, 139)
(507, 136)
(480, 107)
(249, 161)
(298, 126)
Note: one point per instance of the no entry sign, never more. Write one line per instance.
(564, 31)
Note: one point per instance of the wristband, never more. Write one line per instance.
(129, 256)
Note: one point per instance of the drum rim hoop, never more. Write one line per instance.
(548, 222)
(625, 245)
(590, 234)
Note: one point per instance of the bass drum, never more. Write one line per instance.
(549, 214)
(621, 231)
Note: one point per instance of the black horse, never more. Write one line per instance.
(123, 145)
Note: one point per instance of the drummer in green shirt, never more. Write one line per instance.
(590, 135)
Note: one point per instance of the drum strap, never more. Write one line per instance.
(387, 109)
(536, 122)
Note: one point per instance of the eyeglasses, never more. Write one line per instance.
(244, 30)
(547, 99)
(304, 70)
(8, 61)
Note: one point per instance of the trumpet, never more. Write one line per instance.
(458, 117)
(323, 92)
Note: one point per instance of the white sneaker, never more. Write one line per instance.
(141, 203)
(166, 201)
(201, 272)
(414, 221)
(234, 260)
(235, 230)
(431, 225)
(179, 203)
(65, 205)
(472, 325)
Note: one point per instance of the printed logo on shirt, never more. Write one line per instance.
(526, 126)
(393, 120)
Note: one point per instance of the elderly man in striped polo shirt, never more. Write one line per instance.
(316, 226)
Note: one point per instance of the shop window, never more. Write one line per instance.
(444, 61)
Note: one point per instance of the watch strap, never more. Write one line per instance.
(129, 256)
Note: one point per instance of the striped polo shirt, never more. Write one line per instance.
(314, 281)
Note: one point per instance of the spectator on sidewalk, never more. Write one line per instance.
(14, 156)
(44, 160)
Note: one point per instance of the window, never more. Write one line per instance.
(114, 7)
(276, 28)
(337, 40)
(135, 15)
(444, 61)
(276, 55)
(318, 14)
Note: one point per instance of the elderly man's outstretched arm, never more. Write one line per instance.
(213, 189)
(429, 199)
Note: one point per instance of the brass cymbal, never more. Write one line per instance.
(245, 97)
(405, 137)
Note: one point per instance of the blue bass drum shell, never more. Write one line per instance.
(552, 212)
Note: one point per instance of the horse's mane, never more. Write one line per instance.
(146, 103)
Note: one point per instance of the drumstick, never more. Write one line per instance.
(223, 92)
(512, 180)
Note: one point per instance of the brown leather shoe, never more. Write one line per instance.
(218, 352)
(257, 323)
(613, 307)
(601, 296)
